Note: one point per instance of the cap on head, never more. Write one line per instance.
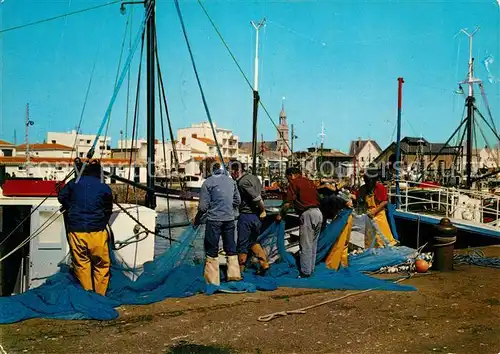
(290, 171)
(371, 175)
(93, 168)
(236, 166)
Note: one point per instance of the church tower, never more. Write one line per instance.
(283, 132)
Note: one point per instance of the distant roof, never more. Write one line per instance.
(326, 153)
(410, 146)
(45, 146)
(283, 113)
(358, 145)
(206, 141)
(199, 158)
(414, 140)
(428, 148)
(17, 160)
(3, 142)
(268, 146)
(127, 149)
(195, 151)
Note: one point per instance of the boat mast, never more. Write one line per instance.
(469, 102)
(28, 123)
(150, 59)
(256, 97)
(398, 141)
(322, 137)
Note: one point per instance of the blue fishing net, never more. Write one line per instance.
(178, 273)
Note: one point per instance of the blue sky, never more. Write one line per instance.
(336, 62)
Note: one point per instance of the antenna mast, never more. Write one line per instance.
(256, 97)
(322, 137)
(28, 123)
(469, 102)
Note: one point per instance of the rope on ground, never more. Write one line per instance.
(477, 258)
(301, 311)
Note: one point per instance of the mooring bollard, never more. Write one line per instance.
(444, 245)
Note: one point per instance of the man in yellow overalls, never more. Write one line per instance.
(376, 199)
(88, 204)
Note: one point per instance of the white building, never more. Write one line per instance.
(46, 150)
(83, 143)
(7, 149)
(164, 157)
(200, 137)
(138, 148)
(57, 168)
(486, 158)
(364, 151)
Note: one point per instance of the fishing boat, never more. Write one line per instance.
(33, 235)
(32, 231)
(420, 206)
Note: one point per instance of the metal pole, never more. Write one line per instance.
(262, 159)
(256, 97)
(28, 123)
(470, 120)
(293, 138)
(398, 141)
(469, 102)
(322, 135)
(150, 29)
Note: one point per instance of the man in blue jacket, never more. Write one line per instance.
(88, 204)
(218, 198)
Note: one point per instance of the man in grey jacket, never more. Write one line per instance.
(219, 197)
(251, 214)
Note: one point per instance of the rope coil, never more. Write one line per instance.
(477, 258)
(443, 241)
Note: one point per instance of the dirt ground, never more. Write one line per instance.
(451, 312)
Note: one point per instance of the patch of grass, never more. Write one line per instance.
(493, 302)
(185, 348)
(281, 297)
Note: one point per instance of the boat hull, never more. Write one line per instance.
(416, 229)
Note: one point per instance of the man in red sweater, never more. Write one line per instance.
(304, 196)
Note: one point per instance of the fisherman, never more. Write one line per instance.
(304, 196)
(331, 205)
(375, 196)
(218, 198)
(88, 205)
(251, 214)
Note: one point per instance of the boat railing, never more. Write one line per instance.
(475, 206)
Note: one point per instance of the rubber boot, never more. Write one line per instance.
(211, 271)
(233, 269)
(242, 260)
(259, 252)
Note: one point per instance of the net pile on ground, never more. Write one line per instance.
(178, 273)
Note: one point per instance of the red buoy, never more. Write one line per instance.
(421, 266)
